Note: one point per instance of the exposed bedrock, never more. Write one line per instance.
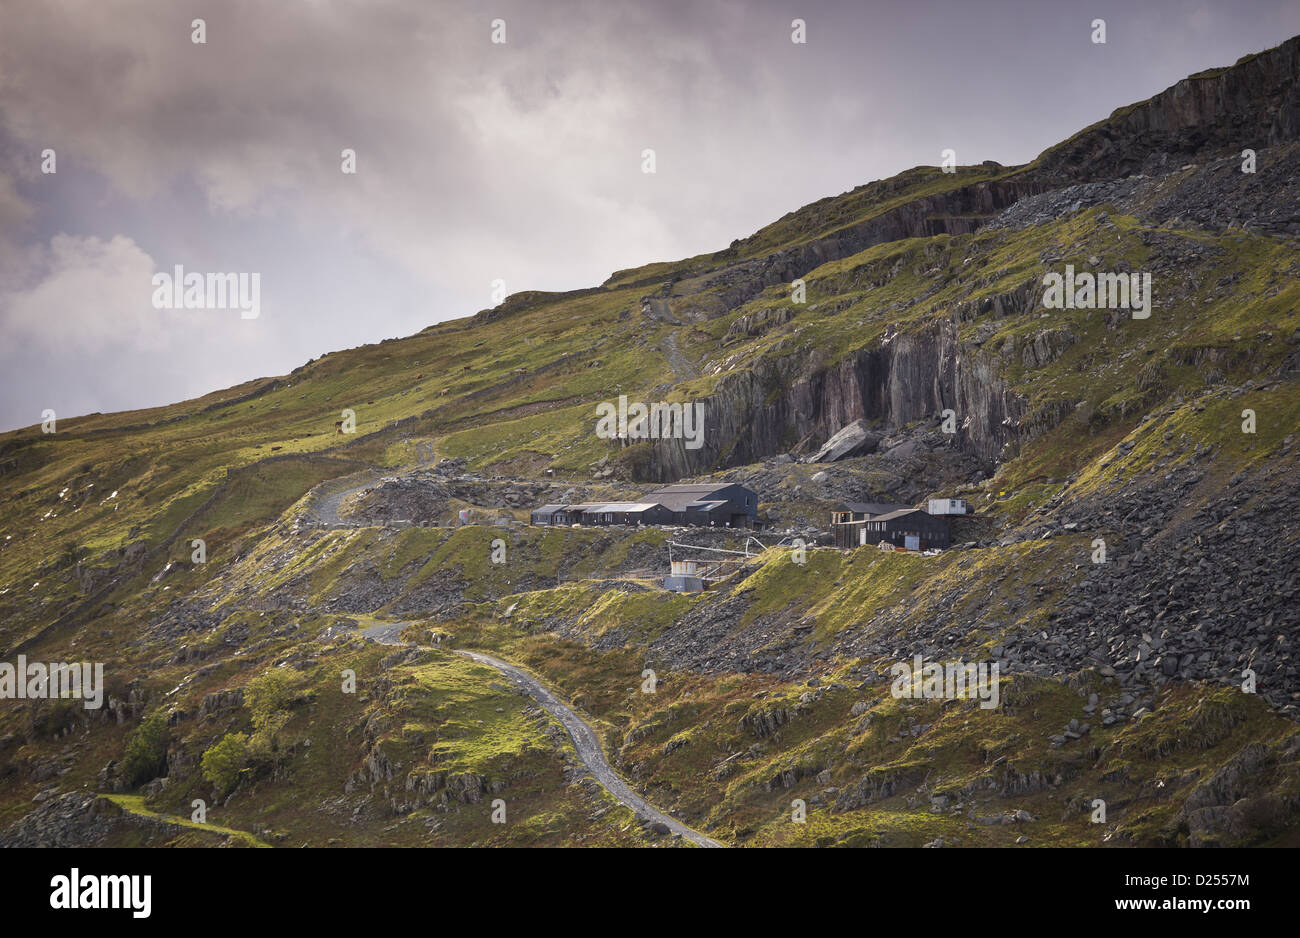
(1254, 104)
(783, 403)
(960, 211)
(795, 400)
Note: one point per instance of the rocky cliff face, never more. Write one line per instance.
(791, 403)
(960, 211)
(1255, 104)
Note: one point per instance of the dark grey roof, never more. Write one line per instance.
(683, 496)
(707, 505)
(896, 514)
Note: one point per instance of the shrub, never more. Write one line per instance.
(223, 763)
(146, 750)
(268, 698)
(266, 695)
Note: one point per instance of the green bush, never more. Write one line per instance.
(269, 697)
(223, 762)
(52, 717)
(266, 695)
(146, 750)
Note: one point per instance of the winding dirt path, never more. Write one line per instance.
(324, 507)
(585, 739)
(679, 363)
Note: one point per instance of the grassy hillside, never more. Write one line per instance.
(226, 678)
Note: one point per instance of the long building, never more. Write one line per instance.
(848, 520)
(866, 524)
(710, 505)
(912, 528)
(721, 505)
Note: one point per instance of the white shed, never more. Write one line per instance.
(947, 506)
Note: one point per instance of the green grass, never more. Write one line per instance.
(581, 608)
(135, 805)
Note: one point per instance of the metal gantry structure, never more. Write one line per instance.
(723, 566)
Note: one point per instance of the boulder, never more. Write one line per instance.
(904, 449)
(852, 440)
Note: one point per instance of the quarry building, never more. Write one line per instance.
(866, 524)
(710, 504)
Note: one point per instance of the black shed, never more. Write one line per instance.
(721, 505)
(911, 528)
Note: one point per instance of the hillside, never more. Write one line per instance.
(924, 294)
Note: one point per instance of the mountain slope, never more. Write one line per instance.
(924, 293)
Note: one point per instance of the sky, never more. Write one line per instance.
(479, 161)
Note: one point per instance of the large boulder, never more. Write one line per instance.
(853, 440)
(904, 449)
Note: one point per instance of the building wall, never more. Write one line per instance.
(848, 535)
(898, 537)
(739, 501)
(933, 532)
(684, 584)
(947, 506)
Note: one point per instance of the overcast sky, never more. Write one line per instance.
(478, 160)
